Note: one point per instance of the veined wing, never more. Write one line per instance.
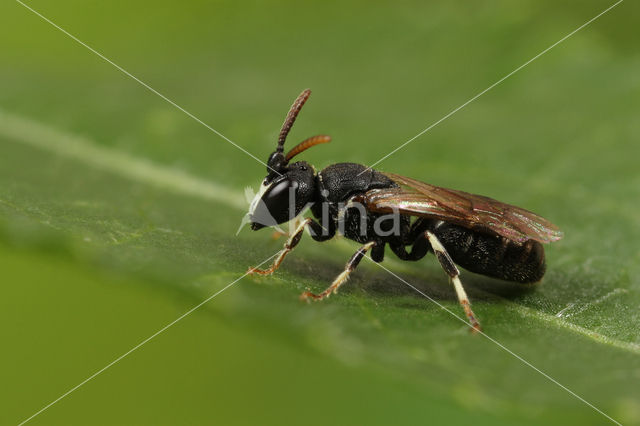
(418, 198)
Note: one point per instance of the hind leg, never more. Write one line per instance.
(454, 274)
(426, 240)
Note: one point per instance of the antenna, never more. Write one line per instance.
(291, 118)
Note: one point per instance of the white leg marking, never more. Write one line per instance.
(450, 268)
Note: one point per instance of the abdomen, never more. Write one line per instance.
(492, 255)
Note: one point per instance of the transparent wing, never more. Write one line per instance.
(469, 210)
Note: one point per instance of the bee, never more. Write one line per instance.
(379, 209)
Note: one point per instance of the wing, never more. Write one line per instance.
(469, 210)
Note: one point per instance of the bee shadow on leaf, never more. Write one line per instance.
(429, 280)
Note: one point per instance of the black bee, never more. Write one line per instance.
(413, 218)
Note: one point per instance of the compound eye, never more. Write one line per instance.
(277, 198)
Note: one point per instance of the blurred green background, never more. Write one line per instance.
(118, 211)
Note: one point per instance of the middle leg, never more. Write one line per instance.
(343, 277)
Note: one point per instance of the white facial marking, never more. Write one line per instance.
(253, 203)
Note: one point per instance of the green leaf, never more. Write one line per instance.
(118, 213)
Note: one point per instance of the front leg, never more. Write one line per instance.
(288, 246)
(343, 277)
(318, 233)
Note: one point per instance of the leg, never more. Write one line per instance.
(288, 246)
(453, 272)
(377, 252)
(343, 277)
(419, 249)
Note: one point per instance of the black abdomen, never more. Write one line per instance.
(492, 255)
